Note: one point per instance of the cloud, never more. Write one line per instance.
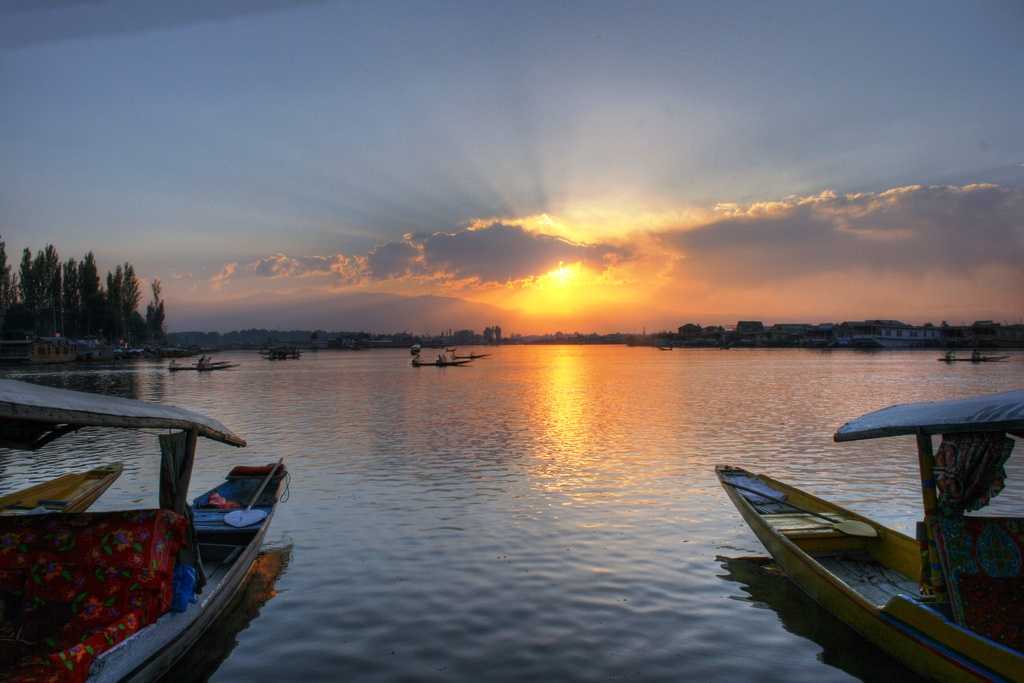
(501, 253)
(495, 253)
(395, 259)
(905, 230)
(224, 275)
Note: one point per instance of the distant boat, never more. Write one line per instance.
(439, 362)
(281, 353)
(664, 348)
(202, 367)
(974, 358)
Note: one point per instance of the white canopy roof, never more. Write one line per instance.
(31, 415)
(992, 413)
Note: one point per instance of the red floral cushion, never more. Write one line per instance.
(109, 574)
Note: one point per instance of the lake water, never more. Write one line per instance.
(548, 513)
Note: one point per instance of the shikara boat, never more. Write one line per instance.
(438, 362)
(135, 589)
(948, 604)
(72, 492)
(206, 367)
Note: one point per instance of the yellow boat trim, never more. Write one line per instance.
(920, 637)
(74, 492)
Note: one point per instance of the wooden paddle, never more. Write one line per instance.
(248, 516)
(850, 527)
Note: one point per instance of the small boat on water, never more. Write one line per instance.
(975, 357)
(471, 356)
(101, 618)
(664, 348)
(72, 492)
(948, 604)
(282, 353)
(201, 366)
(440, 362)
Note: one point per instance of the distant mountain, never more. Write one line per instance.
(372, 312)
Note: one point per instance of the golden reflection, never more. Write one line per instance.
(572, 457)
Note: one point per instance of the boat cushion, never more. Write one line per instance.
(255, 471)
(72, 663)
(983, 562)
(85, 574)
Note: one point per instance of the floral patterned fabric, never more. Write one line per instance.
(969, 470)
(983, 559)
(72, 664)
(111, 573)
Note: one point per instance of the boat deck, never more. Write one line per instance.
(870, 579)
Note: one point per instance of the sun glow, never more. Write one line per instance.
(563, 274)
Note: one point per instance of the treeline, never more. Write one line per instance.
(250, 337)
(48, 297)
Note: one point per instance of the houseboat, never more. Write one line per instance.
(39, 351)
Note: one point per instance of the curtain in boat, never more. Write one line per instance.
(175, 473)
(969, 470)
(173, 465)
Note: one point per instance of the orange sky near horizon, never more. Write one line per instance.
(902, 253)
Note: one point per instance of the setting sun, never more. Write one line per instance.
(563, 274)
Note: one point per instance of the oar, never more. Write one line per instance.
(851, 527)
(248, 516)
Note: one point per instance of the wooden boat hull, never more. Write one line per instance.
(78, 490)
(153, 651)
(921, 638)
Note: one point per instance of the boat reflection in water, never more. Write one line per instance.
(217, 643)
(841, 646)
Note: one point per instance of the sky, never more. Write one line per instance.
(544, 166)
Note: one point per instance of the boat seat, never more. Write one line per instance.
(798, 525)
(983, 564)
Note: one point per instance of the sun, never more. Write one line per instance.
(563, 273)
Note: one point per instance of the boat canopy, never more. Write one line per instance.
(32, 415)
(992, 413)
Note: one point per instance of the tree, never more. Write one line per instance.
(27, 283)
(51, 295)
(136, 326)
(71, 306)
(155, 313)
(113, 315)
(8, 290)
(131, 296)
(91, 296)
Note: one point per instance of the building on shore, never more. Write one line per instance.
(885, 334)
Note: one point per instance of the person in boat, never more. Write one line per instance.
(950, 355)
(976, 355)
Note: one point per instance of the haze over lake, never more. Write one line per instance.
(548, 513)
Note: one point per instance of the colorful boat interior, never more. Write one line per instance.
(74, 585)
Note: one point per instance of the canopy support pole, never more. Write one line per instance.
(931, 568)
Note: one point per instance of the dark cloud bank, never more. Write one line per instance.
(909, 230)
